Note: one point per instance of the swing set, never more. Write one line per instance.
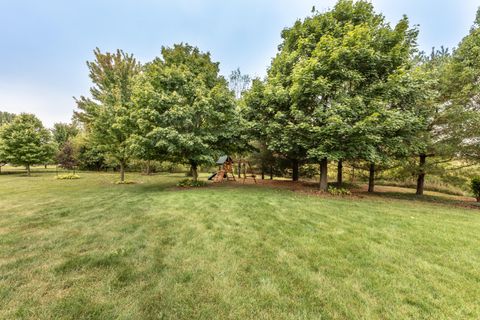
(225, 170)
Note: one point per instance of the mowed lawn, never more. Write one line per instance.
(90, 249)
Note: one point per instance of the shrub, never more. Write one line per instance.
(189, 183)
(339, 191)
(125, 182)
(69, 176)
(475, 185)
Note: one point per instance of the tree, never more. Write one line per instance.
(62, 132)
(6, 117)
(326, 94)
(66, 157)
(452, 114)
(274, 122)
(185, 109)
(239, 83)
(464, 92)
(108, 114)
(88, 155)
(26, 142)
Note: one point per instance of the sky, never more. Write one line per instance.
(44, 45)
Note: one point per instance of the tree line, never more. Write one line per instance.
(345, 86)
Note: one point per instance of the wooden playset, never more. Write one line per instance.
(225, 170)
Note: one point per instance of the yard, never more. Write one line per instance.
(90, 249)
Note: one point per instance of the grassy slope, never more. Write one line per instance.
(88, 249)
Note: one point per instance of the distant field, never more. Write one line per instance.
(90, 249)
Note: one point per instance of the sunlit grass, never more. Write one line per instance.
(91, 249)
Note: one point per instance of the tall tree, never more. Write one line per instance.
(464, 91)
(107, 115)
(452, 116)
(327, 89)
(185, 108)
(25, 141)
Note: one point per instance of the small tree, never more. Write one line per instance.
(25, 142)
(66, 156)
(239, 83)
(475, 185)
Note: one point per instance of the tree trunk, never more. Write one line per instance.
(194, 171)
(28, 170)
(421, 175)
(239, 170)
(371, 178)
(263, 174)
(271, 172)
(294, 170)
(122, 172)
(478, 199)
(340, 173)
(147, 169)
(353, 175)
(324, 175)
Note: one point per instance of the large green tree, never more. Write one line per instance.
(108, 114)
(185, 109)
(25, 141)
(464, 91)
(452, 116)
(327, 93)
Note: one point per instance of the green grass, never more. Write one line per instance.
(90, 249)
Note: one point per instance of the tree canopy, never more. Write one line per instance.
(25, 141)
(107, 115)
(185, 109)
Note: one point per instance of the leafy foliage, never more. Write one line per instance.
(185, 109)
(66, 156)
(6, 117)
(339, 191)
(190, 183)
(69, 176)
(336, 88)
(108, 115)
(63, 132)
(25, 141)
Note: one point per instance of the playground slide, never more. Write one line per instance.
(210, 177)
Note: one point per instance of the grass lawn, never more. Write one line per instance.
(89, 249)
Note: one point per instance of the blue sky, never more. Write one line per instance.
(44, 44)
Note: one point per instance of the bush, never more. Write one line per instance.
(69, 176)
(475, 185)
(309, 171)
(189, 183)
(125, 182)
(339, 191)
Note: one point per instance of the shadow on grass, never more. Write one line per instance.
(424, 198)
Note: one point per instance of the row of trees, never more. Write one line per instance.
(345, 85)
